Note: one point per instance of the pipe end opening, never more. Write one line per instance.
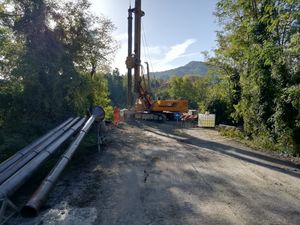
(29, 211)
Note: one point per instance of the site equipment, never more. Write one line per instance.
(31, 164)
(145, 107)
(16, 171)
(35, 203)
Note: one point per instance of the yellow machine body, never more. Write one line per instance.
(170, 106)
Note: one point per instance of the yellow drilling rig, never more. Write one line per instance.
(145, 108)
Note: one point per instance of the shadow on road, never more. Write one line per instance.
(250, 156)
(156, 183)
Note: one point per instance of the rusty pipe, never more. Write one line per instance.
(5, 164)
(13, 168)
(129, 72)
(33, 206)
(148, 78)
(21, 176)
(138, 13)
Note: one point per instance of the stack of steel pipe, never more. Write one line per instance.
(17, 169)
(34, 204)
(17, 161)
(4, 165)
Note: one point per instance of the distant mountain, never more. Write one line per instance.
(195, 68)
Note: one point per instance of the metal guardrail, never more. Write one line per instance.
(16, 170)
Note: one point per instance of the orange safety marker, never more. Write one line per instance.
(116, 115)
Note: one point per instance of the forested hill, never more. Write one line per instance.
(192, 68)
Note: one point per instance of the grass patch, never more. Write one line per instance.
(263, 142)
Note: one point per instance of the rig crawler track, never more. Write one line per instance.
(158, 117)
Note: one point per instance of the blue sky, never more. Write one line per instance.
(175, 32)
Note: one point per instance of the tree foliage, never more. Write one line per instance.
(209, 93)
(53, 57)
(117, 88)
(259, 51)
(48, 47)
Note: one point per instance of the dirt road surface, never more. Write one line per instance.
(162, 174)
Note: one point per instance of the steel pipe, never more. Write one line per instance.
(129, 71)
(21, 176)
(5, 164)
(137, 43)
(33, 206)
(18, 164)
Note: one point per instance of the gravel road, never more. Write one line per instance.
(162, 174)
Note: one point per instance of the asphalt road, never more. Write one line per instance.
(162, 174)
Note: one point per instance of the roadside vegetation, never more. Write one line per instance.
(259, 53)
(256, 81)
(55, 57)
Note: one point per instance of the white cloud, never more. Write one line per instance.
(159, 57)
(121, 37)
(154, 50)
(171, 54)
(192, 54)
(119, 61)
(177, 50)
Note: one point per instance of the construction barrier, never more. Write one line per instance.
(206, 120)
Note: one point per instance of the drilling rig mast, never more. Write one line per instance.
(145, 107)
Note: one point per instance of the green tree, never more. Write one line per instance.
(51, 55)
(117, 84)
(61, 42)
(182, 88)
(87, 37)
(257, 51)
